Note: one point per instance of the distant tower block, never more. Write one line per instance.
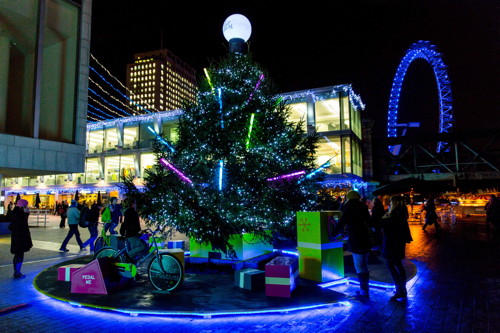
(159, 81)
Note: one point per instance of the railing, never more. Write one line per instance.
(41, 215)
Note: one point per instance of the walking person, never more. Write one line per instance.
(431, 217)
(396, 233)
(73, 219)
(356, 218)
(115, 210)
(63, 211)
(20, 236)
(93, 218)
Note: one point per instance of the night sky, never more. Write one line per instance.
(312, 44)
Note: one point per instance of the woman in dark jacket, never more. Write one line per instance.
(356, 218)
(131, 225)
(396, 233)
(20, 236)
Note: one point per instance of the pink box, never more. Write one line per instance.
(281, 276)
(64, 272)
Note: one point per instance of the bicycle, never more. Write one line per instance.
(104, 240)
(164, 270)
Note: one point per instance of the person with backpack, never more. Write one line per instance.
(92, 219)
(73, 221)
(115, 216)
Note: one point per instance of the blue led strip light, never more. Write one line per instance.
(101, 111)
(221, 170)
(426, 51)
(121, 84)
(162, 140)
(92, 91)
(118, 91)
(104, 106)
(95, 114)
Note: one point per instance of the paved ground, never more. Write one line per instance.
(457, 289)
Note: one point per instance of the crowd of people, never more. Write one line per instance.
(78, 215)
(388, 231)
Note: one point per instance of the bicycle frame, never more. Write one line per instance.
(140, 261)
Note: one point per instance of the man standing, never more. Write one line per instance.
(63, 210)
(73, 219)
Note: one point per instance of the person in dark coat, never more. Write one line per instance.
(431, 216)
(131, 225)
(20, 236)
(396, 233)
(356, 219)
(93, 218)
(492, 209)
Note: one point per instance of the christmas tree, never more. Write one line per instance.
(238, 166)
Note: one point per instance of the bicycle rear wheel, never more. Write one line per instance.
(167, 274)
(98, 244)
(109, 252)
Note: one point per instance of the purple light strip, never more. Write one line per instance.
(256, 87)
(174, 169)
(289, 175)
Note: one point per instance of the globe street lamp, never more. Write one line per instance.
(237, 30)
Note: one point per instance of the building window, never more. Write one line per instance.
(298, 112)
(92, 170)
(328, 115)
(329, 149)
(95, 141)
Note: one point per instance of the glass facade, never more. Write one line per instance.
(117, 149)
(38, 84)
(338, 125)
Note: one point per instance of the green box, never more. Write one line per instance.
(319, 259)
(246, 246)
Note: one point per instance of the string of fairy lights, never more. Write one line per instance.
(109, 98)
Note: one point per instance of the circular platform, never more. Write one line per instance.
(202, 295)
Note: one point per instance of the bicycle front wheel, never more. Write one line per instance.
(109, 252)
(165, 274)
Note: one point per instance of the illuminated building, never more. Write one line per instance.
(44, 58)
(159, 80)
(122, 146)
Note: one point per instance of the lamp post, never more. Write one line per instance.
(237, 30)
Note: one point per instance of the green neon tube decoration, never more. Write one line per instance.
(250, 130)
